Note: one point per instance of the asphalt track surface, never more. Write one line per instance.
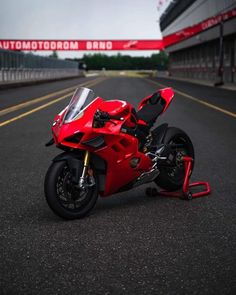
(130, 244)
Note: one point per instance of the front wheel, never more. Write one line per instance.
(64, 197)
(172, 178)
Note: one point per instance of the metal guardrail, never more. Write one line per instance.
(18, 74)
(20, 66)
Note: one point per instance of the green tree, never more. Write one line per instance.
(98, 61)
(54, 54)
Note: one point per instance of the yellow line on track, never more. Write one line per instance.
(48, 104)
(207, 104)
(34, 110)
(39, 99)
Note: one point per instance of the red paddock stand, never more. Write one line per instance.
(185, 193)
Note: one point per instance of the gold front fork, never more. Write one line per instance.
(86, 158)
(82, 181)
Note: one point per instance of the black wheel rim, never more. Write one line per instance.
(69, 195)
(177, 173)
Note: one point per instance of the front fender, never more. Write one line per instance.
(68, 155)
(74, 161)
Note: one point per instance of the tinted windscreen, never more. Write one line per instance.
(81, 98)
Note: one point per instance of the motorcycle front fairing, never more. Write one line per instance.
(74, 128)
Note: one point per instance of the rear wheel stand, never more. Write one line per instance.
(185, 193)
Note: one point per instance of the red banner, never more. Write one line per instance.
(58, 45)
(90, 45)
(198, 28)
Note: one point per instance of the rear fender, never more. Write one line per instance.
(159, 134)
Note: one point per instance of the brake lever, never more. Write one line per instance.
(105, 117)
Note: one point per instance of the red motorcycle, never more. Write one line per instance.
(109, 148)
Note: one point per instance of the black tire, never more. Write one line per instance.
(61, 195)
(172, 179)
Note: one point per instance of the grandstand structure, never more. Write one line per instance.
(200, 37)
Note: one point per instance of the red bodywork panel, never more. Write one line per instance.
(119, 148)
(166, 93)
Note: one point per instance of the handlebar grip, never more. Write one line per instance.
(106, 116)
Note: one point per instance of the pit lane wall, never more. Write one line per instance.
(18, 67)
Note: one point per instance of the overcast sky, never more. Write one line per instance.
(80, 19)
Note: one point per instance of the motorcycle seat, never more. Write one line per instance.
(152, 109)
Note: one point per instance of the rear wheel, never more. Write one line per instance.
(172, 178)
(64, 197)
